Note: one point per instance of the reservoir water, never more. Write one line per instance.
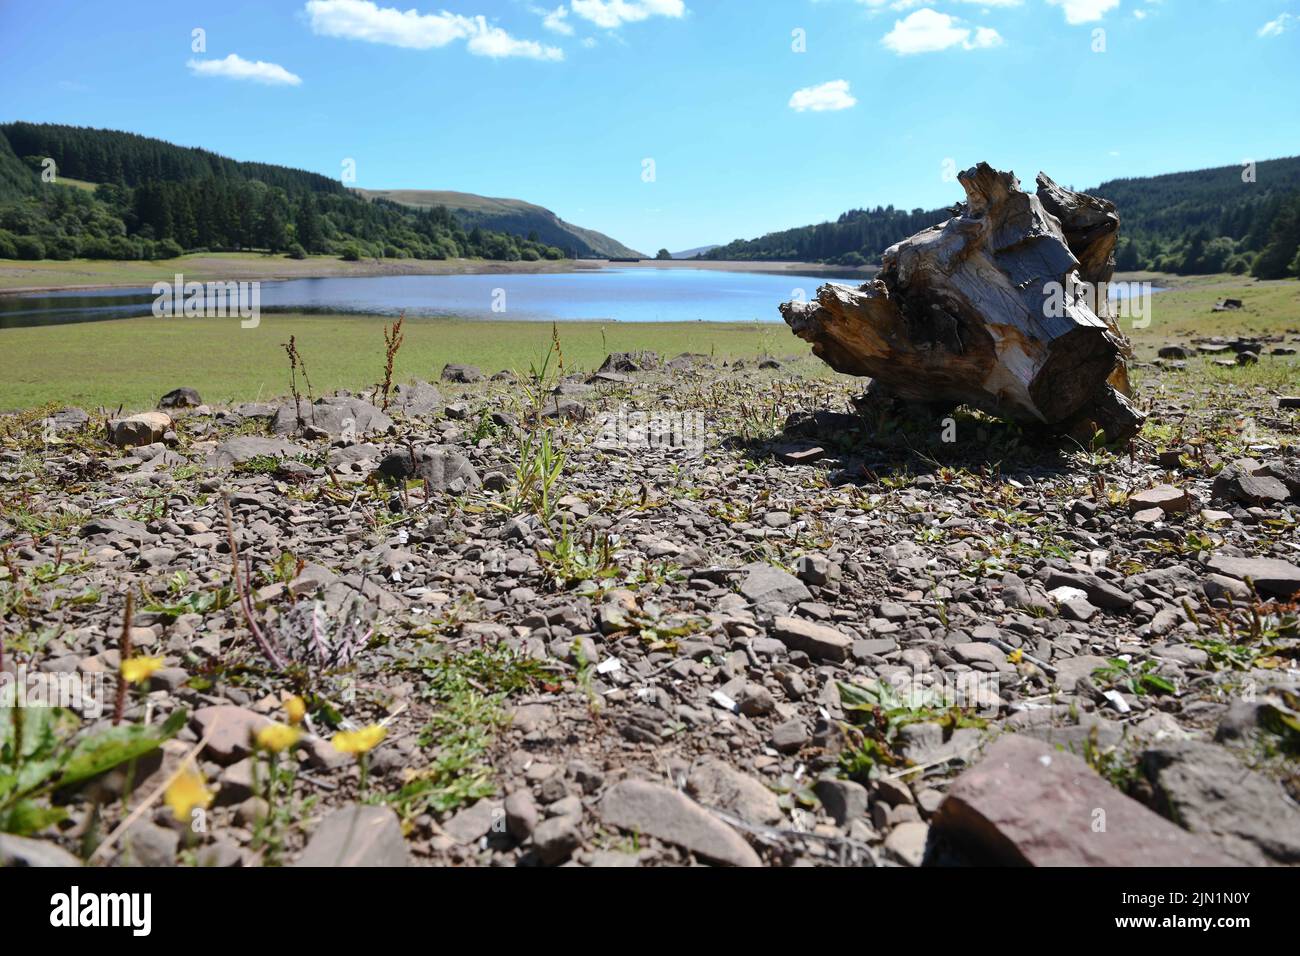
(631, 294)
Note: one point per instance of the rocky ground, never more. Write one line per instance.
(787, 632)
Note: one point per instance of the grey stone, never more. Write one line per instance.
(844, 800)
(474, 822)
(244, 448)
(521, 814)
(654, 810)
(416, 399)
(444, 468)
(147, 844)
(818, 641)
(357, 835)
(555, 839)
(716, 784)
(336, 417)
(16, 851)
(462, 374)
(765, 584)
(1207, 790)
(180, 398)
(1271, 576)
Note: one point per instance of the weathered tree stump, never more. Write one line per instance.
(1003, 307)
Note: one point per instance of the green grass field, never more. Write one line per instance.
(132, 362)
(1187, 309)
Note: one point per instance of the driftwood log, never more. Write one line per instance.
(1003, 308)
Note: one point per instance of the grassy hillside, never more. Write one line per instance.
(122, 196)
(1200, 222)
(509, 215)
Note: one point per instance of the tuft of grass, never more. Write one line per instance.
(468, 692)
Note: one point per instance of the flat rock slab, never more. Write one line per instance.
(1165, 497)
(717, 784)
(337, 417)
(1028, 804)
(19, 851)
(1214, 795)
(236, 451)
(818, 641)
(417, 398)
(764, 583)
(650, 808)
(1271, 576)
(357, 836)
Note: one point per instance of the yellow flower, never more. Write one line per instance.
(187, 792)
(359, 741)
(1015, 656)
(277, 737)
(295, 709)
(137, 669)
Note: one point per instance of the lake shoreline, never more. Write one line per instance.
(255, 267)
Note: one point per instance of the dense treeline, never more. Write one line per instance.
(152, 200)
(856, 237)
(1207, 221)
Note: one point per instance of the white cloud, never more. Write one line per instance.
(611, 14)
(364, 20)
(555, 21)
(928, 31)
(1275, 28)
(901, 5)
(235, 67)
(1084, 11)
(497, 43)
(834, 95)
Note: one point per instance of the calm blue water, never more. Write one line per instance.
(626, 294)
(614, 294)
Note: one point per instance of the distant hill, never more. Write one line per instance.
(119, 195)
(1202, 221)
(509, 215)
(692, 253)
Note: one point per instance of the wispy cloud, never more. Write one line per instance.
(1084, 11)
(235, 67)
(834, 95)
(557, 20)
(928, 31)
(411, 29)
(611, 14)
(1275, 28)
(899, 5)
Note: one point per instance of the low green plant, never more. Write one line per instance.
(877, 712)
(1140, 680)
(42, 751)
(468, 691)
(571, 559)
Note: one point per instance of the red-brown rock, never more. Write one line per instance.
(1028, 804)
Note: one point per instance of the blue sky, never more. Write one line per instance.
(562, 102)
